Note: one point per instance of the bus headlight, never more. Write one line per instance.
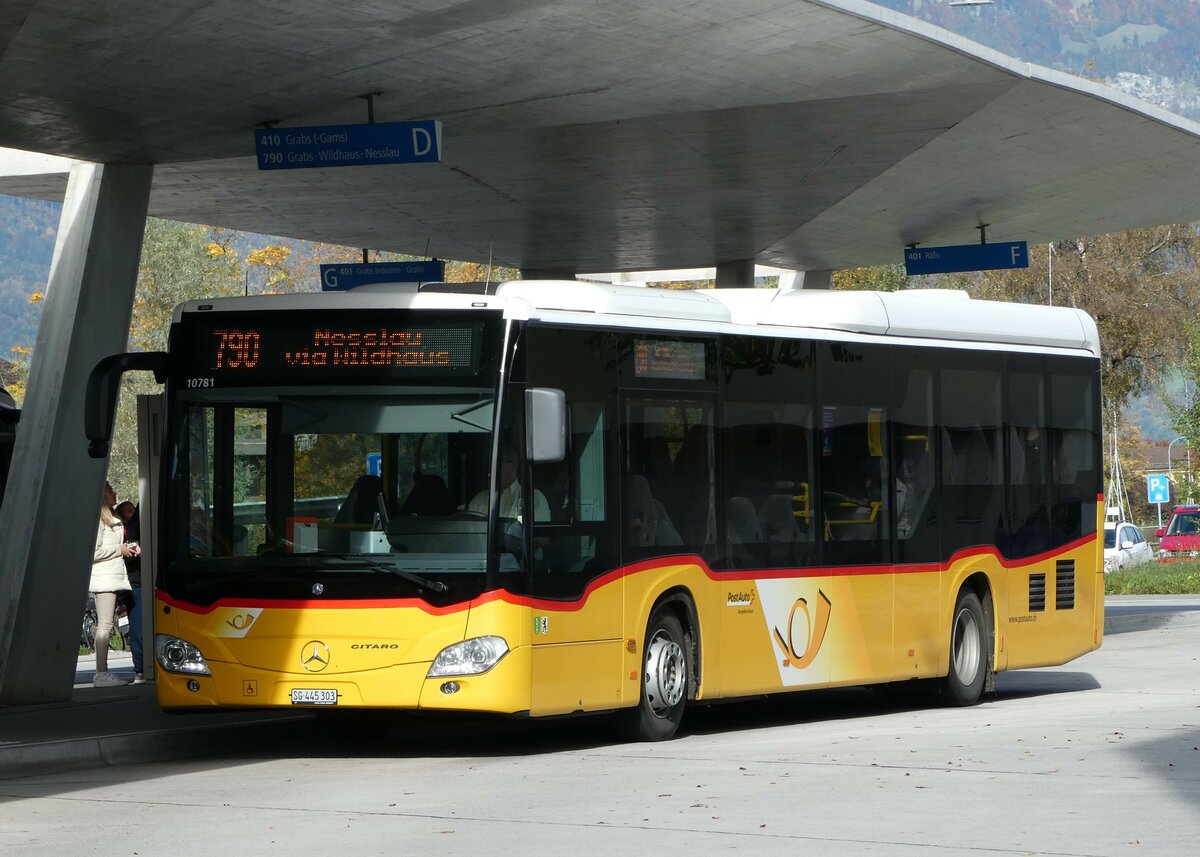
(179, 656)
(470, 657)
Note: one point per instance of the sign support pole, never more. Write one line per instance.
(370, 97)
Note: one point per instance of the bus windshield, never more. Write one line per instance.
(374, 488)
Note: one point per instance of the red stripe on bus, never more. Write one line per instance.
(629, 571)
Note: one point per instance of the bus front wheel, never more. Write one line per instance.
(969, 651)
(666, 676)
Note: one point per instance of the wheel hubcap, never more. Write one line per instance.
(666, 674)
(966, 647)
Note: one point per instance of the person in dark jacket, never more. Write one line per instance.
(128, 513)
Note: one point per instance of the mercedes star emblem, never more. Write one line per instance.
(318, 588)
(314, 656)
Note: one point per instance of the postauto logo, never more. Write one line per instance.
(740, 599)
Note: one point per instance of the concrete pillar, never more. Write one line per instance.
(738, 274)
(806, 280)
(52, 505)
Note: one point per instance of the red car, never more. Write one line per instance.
(1181, 538)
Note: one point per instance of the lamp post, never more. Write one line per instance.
(1189, 454)
(1170, 446)
(1050, 268)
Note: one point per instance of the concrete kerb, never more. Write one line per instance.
(157, 745)
(98, 727)
(1127, 613)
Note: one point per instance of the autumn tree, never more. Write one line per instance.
(1139, 286)
(1185, 414)
(881, 278)
(179, 262)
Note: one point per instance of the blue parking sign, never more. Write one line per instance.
(1158, 488)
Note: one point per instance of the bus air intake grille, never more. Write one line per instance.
(1037, 593)
(1064, 584)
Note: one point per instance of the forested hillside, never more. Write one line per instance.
(1149, 48)
(27, 229)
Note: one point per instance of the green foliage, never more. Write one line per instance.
(884, 278)
(1172, 578)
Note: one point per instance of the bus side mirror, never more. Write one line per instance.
(545, 425)
(100, 406)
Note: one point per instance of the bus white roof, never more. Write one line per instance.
(936, 314)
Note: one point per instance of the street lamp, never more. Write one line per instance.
(1050, 264)
(1189, 454)
(1169, 447)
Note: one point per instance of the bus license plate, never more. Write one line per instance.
(313, 696)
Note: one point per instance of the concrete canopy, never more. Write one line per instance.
(584, 136)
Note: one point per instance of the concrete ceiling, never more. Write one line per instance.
(593, 136)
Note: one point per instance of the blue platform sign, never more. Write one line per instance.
(340, 278)
(348, 145)
(1158, 488)
(965, 257)
(374, 463)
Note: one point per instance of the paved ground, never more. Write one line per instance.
(1099, 757)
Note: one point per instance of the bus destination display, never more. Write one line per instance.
(237, 349)
(330, 346)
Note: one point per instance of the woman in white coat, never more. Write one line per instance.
(108, 578)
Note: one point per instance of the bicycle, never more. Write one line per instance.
(117, 641)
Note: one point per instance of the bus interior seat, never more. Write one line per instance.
(429, 496)
(970, 473)
(641, 514)
(647, 521)
(360, 505)
(971, 458)
(780, 528)
(665, 534)
(742, 531)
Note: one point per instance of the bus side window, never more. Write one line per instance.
(973, 500)
(1028, 456)
(1075, 480)
(576, 544)
(914, 440)
(857, 494)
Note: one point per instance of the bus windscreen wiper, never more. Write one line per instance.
(415, 579)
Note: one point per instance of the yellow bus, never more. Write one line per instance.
(554, 498)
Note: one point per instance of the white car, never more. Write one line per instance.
(1125, 547)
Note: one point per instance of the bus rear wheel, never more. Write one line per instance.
(666, 675)
(969, 651)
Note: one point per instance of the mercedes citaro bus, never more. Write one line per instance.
(548, 498)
